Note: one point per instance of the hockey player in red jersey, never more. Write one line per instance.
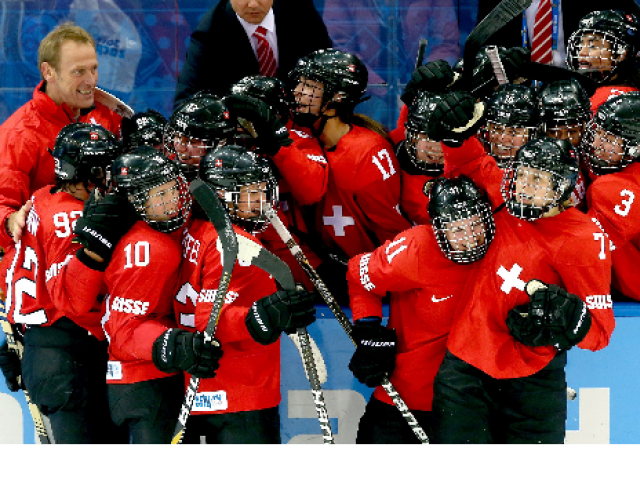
(425, 270)
(420, 159)
(360, 209)
(604, 48)
(239, 405)
(65, 355)
(611, 148)
(147, 350)
(510, 387)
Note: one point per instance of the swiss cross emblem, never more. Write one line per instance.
(124, 171)
(352, 68)
(630, 18)
(218, 162)
(94, 135)
(226, 115)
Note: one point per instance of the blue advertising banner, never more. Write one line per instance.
(604, 410)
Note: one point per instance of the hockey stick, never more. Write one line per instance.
(422, 47)
(342, 319)
(274, 266)
(214, 209)
(497, 18)
(112, 103)
(496, 63)
(17, 347)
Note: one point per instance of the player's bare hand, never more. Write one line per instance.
(18, 220)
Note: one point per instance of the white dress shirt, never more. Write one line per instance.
(269, 23)
(559, 56)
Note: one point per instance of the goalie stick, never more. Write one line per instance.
(497, 18)
(16, 345)
(217, 214)
(112, 103)
(343, 320)
(263, 259)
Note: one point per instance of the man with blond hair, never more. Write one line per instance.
(69, 70)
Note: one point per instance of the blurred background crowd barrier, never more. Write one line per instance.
(141, 44)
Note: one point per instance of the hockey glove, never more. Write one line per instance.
(178, 349)
(553, 316)
(513, 60)
(261, 121)
(283, 311)
(104, 222)
(11, 367)
(456, 118)
(432, 77)
(376, 348)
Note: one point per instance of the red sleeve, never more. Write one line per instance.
(17, 162)
(397, 134)
(398, 265)
(141, 279)
(471, 160)
(304, 167)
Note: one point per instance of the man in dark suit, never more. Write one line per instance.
(221, 50)
(570, 13)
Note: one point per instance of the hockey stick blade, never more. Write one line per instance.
(112, 103)
(333, 305)
(281, 273)
(497, 18)
(218, 216)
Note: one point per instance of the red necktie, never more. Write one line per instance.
(265, 55)
(542, 30)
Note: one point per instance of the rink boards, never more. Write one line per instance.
(605, 410)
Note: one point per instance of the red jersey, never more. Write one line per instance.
(567, 249)
(398, 134)
(37, 292)
(141, 280)
(25, 140)
(602, 94)
(249, 373)
(611, 200)
(360, 209)
(413, 202)
(425, 289)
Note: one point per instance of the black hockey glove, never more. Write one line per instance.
(432, 77)
(283, 311)
(104, 222)
(456, 118)
(553, 316)
(375, 354)
(513, 60)
(178, 349)
(11, 367)
(261, 121)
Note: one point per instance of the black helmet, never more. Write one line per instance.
(461, 216)
(483, 81)
(512, 110)
(228, 169)
(564, 109)
(135, 174)
(620, 30)
(270, 90)
(83, 153)
(416, 138)
(612, 138)
(202, 122)
(340, 73)
(548, 169)
(144, 128)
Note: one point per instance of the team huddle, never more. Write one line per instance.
(496, 220)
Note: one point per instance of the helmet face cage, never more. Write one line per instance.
(604, 151)
(596, 53)
(188, 150)
(424, 153)
(534, 183)
(249, 203)
(464, 230)
(565, 109)
(502, 141)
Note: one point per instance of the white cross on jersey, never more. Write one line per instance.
(338, 222)
(510, 278)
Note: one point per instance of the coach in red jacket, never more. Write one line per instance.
(69, 68)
